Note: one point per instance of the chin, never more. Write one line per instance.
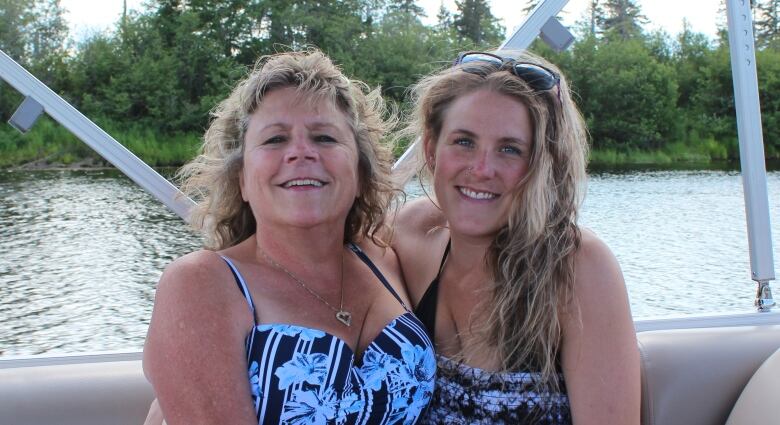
(475, 230)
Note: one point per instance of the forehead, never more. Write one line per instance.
(288, 105)
(489, 114)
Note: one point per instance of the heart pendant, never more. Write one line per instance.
(344, 317)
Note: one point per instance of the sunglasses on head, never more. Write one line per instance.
(536, 76)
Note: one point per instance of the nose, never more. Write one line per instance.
(483, 165)
(300, 148)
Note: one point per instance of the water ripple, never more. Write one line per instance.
(83, 250)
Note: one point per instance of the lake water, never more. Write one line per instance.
(82, 251)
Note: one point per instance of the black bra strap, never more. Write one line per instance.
(426, 307)
(444, 258)
(362, 255)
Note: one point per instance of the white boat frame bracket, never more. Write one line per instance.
(751, 149)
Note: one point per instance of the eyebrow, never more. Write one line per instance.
(321, 125)
(517, 140)
(312, 126)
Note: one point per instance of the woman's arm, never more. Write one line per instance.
(194, 353)
(600, 356)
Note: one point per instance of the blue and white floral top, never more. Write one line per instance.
(300, 375)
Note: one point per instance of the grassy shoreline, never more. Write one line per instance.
(50, 146)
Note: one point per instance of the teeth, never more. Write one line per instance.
(303, 182)
(477, 195)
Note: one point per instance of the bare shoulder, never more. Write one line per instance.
(199, 322)
(418, 217)
(194, 276)
(419, 238)
(200, 265)
(596, 267)
(192, 297)
(386, 260)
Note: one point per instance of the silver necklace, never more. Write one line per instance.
(342, 315)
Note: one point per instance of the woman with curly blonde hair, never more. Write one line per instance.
(284, 319)
(528, 311)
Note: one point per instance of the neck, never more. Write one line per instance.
(314, 250)
(467, 256)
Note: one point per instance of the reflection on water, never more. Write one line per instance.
(82, 251)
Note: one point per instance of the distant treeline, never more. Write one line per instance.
(151, 81)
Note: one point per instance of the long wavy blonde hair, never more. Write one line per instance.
(211, 178)
(531, 259)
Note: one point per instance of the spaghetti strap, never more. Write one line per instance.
(241, 286)
(426, 307)
(362, 255)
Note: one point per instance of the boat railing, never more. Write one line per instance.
(540, 22)
(39, 98)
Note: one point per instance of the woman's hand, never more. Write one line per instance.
(600, 357)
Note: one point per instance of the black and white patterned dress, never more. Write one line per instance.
(469, 395)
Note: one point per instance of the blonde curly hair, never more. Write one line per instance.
(212, 177)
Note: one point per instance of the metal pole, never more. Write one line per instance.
(530, 28)
(97, 139)
(751, 148)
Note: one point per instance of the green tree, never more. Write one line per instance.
(406, 7)
(627, 97)
(530, 5)
(15, 16)
(594, 17)
(768, 62)
(624, 19)
(767, 24)
(475, 24)
(443, 18)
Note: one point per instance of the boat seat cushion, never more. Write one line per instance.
(95, 393)
(759, 398)
(694, 376)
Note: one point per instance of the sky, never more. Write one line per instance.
(87, 16)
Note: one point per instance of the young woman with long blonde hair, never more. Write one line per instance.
(528, 310)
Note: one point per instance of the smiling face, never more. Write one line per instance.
(300, 162)
(479, 158)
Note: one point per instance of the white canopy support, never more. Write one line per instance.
(533, 24)
(555, 34)
(751, 148)
(39, 95)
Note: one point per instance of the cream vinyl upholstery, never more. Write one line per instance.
(115, 393)
(694, 376)
(758, 402)
(689, 377)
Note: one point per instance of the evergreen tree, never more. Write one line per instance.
(47, 30)
(406, 7)
(530, 5)
(595, 17)
(767, 23)
(475, 23)
(443, 18)
(624, 19)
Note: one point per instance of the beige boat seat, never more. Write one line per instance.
(94, 393)
(758, 402)
(694, 376)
